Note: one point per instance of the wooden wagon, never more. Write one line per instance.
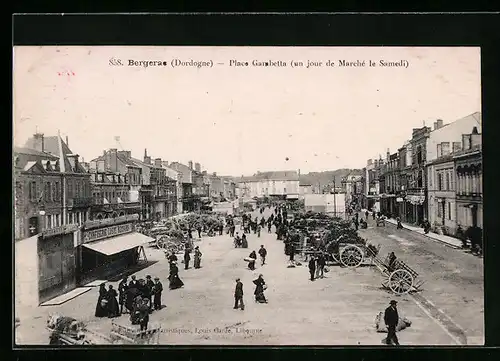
(131, 335)
(398, 276)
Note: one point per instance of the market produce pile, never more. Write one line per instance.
(332, 230)
(172, 233)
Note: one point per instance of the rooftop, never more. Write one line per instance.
(273, 175)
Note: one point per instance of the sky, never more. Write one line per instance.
(240, 120)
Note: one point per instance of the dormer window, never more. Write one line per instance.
(48, 166)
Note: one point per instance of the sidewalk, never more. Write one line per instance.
(449, 241)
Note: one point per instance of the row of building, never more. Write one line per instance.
(54, 187)
(436, 176)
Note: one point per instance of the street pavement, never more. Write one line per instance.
(337, 310)
(453, 292)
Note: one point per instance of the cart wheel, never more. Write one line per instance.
(351, 256)
(160, 243)
(400, 281)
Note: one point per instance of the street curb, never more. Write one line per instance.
(434, 239)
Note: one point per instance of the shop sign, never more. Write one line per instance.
(100, 233)
(65, 229)
(416, 200)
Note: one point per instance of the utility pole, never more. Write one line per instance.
(334, 198)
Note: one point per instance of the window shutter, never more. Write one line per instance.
(37, 191)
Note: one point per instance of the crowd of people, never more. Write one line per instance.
(136, 297)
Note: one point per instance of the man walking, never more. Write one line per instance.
(157, 290)
(321, 262)
(149, 286)
(187, 258)
(391, 319)
(312, 267)
(122, 292)
(263, 254)
(238, 295)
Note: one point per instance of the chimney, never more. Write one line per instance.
(147, 159)
(439, 123)
(158, 162)
(197, 167)
(435, 125)
(67, 141)
(214, 174)
(474, 130)
(388, 154)
(190, 163)
(38, 142)
(164, 163)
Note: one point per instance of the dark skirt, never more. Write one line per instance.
(175, 282)
(101, 310)
(113, 309)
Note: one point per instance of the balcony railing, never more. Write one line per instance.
(80, 202)
(165, 197)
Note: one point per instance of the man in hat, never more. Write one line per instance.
(263, 254)
(197, 257)
(157, 290)
(238, 295)
(149, 293)
(122, 291)
(391, 319)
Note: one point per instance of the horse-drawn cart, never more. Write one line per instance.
(398, 276)
(68, 331)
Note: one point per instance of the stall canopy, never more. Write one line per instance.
(118, 244)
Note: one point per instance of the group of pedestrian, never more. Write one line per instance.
(138, 298)
(260, 287)
(317, 265)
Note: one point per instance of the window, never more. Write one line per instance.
(457, 146)
(47, 192)
(439, 210)
(445, 148)
(448, 187)
(284, 190)
(70, 188)
(449, 211)
(57, 191)
(439, 151)
(32, 191)
(440, 181)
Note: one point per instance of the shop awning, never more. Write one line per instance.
(292, 196)
(119, 243)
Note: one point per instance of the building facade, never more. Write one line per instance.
(371, 189)
(51, 188)
(112, 196)
(469, 180)
(390, 184)
(190, 200)
(159, 192)
(282, 184)
(413, 178)
(441, 193)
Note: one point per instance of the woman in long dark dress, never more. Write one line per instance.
(101, 307)
(113, 308)
(259, 289)
(175, 281)
(251, 264)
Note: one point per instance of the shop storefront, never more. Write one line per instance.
(106, 250)
(57, 262)
(414, 209)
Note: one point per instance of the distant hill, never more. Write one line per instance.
(326, 177)
(323, 179)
